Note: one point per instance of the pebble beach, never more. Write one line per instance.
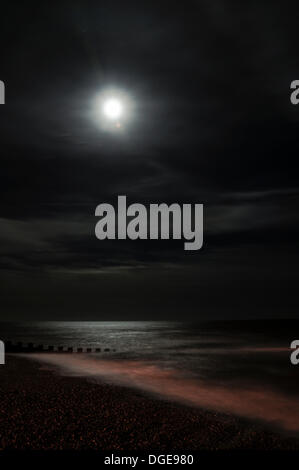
(41, 410)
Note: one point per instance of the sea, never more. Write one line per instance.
(241, 368)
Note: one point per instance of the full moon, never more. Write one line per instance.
(112, 108)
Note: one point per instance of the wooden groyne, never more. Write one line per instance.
(19, 347)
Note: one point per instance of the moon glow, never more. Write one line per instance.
(112, 108)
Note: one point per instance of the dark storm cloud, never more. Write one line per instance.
(212, 123)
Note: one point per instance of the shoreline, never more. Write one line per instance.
(40, 410)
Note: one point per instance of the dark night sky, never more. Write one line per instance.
(213, 124)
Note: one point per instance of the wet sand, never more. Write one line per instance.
(40, 410)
